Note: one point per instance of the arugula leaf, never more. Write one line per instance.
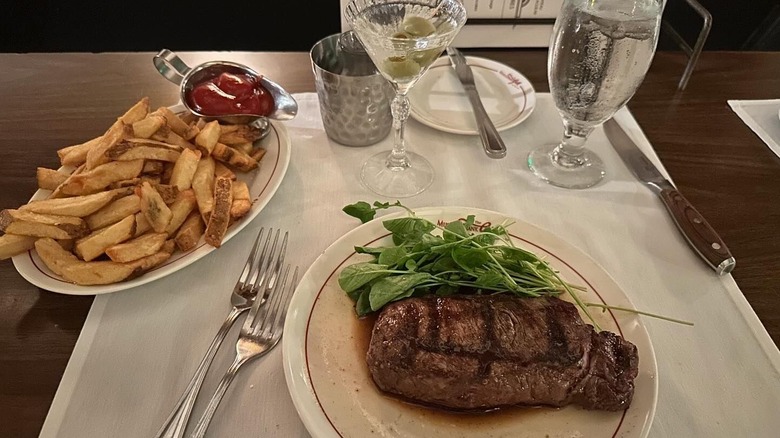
(408, 229)
(375, 251)
(365, 212)
(457, 231)
(490, 279)
(363, 306)
(394, 288)
(355, 276)
(470, 258)
(392, 256)
(361, 210)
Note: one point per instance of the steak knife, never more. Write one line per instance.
(689, 221)
(491, 140)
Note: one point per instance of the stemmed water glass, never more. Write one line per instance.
(599, 54)
(403, 38)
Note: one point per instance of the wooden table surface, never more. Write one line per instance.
(53, 100)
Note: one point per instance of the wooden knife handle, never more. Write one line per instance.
(698, 232)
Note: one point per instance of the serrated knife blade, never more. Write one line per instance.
(697, 231)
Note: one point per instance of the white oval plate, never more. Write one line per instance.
(324, 346)
(439, 101)
(262, 183)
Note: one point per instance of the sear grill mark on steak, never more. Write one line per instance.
(482, 352)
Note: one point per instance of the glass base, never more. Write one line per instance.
(400, 181)
(547, 165)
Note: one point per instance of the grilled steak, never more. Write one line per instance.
(481, 352)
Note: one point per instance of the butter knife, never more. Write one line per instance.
(491, 140)
(689, 221)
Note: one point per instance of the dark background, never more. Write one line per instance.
(282, 25)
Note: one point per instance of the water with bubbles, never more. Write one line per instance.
(601, 52)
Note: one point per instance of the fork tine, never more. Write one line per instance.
(250, 261)
(278, 265)
(280, 317)
(267, 278)
(261, 267)
(275, 311)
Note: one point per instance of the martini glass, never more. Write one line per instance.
(403, 38)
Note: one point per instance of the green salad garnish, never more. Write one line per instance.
(428, 258)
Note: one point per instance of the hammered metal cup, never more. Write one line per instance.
(355, 110)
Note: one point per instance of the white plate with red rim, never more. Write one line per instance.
(438, 99)
(262, 182)
(324, 347)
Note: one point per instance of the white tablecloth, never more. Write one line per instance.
(139, 347)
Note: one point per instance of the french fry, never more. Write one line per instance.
(166, 134)
(66, 244)
(221, 170)
(139, 148)
(173, 121)
(207, 137)
(169, 246)
(153, 208)
(92, 246)
(184, 169)
(241, 200)
(167, 192)
(180, 209)
(78, 206)
(244, 147)
(57, 193)
(136, 112)
(132, 182)
(188, 235)
(70, 268)
(152, 167)
(257, 153)
(220, 215)
(203, 185)
(99, 272)
(26, 223)
(145, 264)
(144, 128)
(191, 133)
(12, 244)
(53, 255)
(141, 224)
(49, 179)
(233, 157)
(114, 212)
(238, 134)
(101, 177)
(137, 248)
(97, 153)
(188, 118)
(76, 155)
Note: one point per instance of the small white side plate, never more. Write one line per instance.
(439, 101)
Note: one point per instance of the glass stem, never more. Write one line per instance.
(400, 109)
(570, 152)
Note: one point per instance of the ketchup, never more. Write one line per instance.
(230, 93)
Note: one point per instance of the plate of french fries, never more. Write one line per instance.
(157, 191)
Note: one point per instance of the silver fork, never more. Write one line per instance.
(260, 333)
(260, 267)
